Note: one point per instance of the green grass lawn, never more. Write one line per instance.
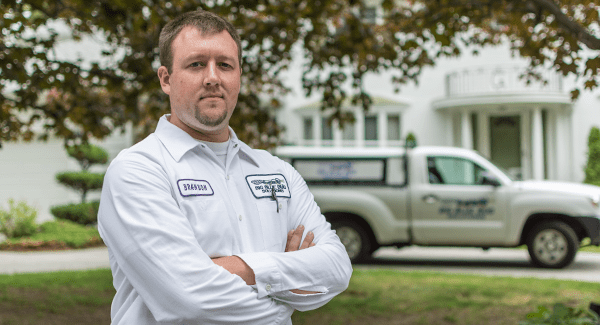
(81, 297)
(374, 297)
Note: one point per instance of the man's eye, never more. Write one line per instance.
(196, 64)
(225, 65)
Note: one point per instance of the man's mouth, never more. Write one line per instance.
(208, 96)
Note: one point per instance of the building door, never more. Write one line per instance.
(505, 146)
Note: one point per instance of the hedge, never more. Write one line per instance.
(81, 213)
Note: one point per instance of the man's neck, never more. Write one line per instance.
(219, 135)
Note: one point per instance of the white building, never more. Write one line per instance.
(475, 102)
(478, 102)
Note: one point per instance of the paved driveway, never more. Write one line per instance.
(495, 261)
(27, 262)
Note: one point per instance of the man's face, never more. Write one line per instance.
(204, 83)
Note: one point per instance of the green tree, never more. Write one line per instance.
(592, 168)
(83, 181)
(77, 100)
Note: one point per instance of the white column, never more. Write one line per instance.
(466, 130)
(551, 145)
(337, 134)
(450, 128)
(537, 144)
(382, 128)
(564, 145)
(526, 168)
(360, 127)
(483, 135)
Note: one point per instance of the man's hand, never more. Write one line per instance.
(237, 266)
(294, 237)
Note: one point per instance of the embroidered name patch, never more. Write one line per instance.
(194, 187)
(265, 185)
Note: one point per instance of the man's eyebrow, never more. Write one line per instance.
(226, 57)
(201, 56)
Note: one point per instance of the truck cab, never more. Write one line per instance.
(443, 196)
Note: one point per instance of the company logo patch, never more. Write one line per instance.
(263, 186)
(194, 187)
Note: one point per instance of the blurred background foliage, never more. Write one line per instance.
(340, 40)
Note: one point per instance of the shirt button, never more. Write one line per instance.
(240, 217)
(227, 177)
(268, 287)
(280, 206)
(235, 145)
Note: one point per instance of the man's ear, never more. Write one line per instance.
(165, 82)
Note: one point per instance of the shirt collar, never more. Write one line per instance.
(178, 142)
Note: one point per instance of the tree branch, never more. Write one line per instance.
(570, 26)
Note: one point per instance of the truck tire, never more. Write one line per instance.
(355, 239)
(552, 244)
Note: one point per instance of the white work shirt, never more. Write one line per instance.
(168, 206)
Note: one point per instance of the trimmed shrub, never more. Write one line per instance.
(411, 140)
(592, 168)
(88, 154)
(19, 220)
(83, 182)
(82, 213)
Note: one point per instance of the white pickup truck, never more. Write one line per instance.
(444, 196)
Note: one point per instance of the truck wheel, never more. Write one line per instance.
(552, 244)
(354, 238)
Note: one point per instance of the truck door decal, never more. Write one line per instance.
(477, 209)
(341, 170)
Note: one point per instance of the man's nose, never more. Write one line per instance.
(212, 77)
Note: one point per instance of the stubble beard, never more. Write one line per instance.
(208, 121)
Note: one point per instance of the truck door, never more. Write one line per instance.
(454, 208)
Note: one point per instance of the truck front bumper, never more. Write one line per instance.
(591, 225)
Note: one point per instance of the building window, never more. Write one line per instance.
(369, 15)
(348, 131)
(393, 127)
(308, 128)
(326, 130)
(371, 128)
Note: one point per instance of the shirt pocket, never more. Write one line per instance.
(211, 225)
(273, 223)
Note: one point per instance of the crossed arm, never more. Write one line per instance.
(237, 266)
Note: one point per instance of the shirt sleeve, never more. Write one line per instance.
(324, 267)
(155, 247)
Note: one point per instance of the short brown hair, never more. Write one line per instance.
(205, 21)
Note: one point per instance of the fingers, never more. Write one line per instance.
(294, 238)
(289, 239)
(307, 240)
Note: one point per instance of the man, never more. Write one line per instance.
(200, 228)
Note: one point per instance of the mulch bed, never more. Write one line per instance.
(53, 245)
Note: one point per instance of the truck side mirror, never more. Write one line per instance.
(489, 179)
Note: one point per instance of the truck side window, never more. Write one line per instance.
(454, 171)
(434, 175)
